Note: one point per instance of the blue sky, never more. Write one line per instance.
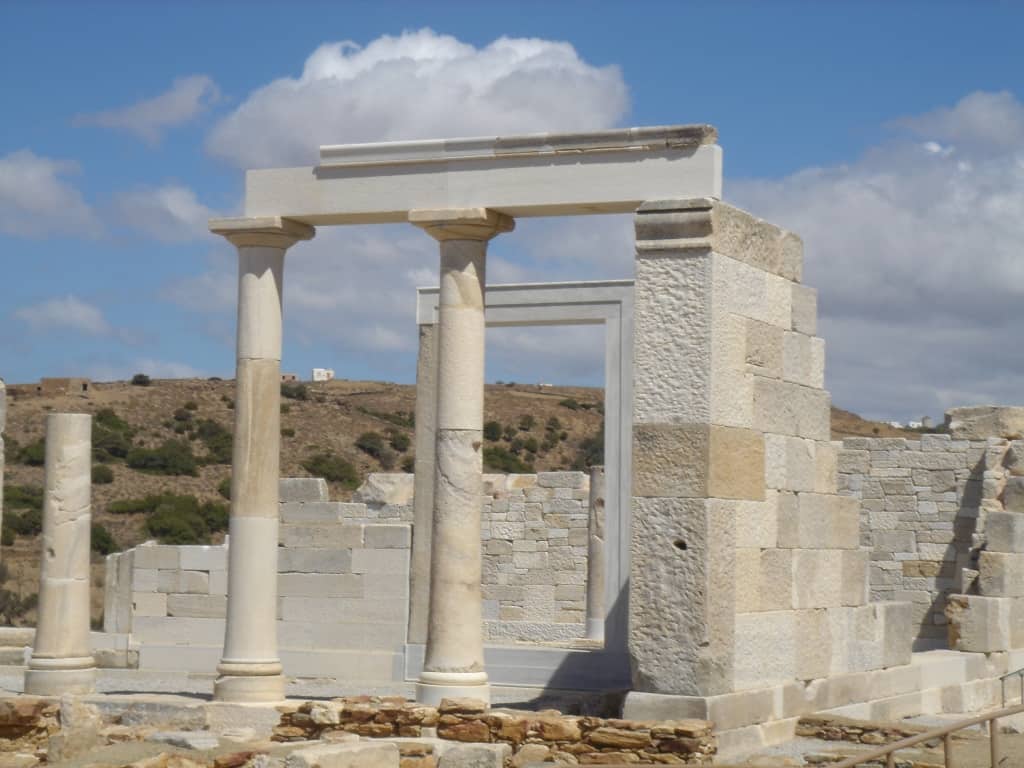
(889, 135)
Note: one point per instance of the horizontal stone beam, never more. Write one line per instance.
(554, 175)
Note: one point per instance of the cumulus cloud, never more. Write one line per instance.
(170, 213)
(37, 200)
(419, 85)
(186, 99)
(65, 313)
(917, 249)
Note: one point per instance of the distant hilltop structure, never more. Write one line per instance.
(323, 374)
(63, 386)
(288, 378)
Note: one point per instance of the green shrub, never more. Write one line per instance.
(492, 431)
(372, 444)
(141, 380)
(217, 439)
(191, 405)
(183, 414)
(102, 474)
(287, 432)
(332, 468)
(570, 403)
(6, 536)
(215, 515)
(101, 541)
(399, 440)
(176, 526)
(224, 489)
(174, 457)
(530, 444)
(526, 422)
(26, 523)
(509, 432)
(498, 459)
(590, 452)
(553, 425)
(23, 497)
(106, 417)
(108, 444)
(405, 419)
(409, 464)
(285, 408)
(294, 390)
(33, 454)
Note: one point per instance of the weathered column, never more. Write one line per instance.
(596, 557)
(423, 492)
(454, 663)
(250, 670)
(62, 660)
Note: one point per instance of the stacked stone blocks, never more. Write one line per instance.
(734, 479)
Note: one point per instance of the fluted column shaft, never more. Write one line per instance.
(250, 670)
(62, 660)
(454, 662)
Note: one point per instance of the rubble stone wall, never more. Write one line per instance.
(920, 507)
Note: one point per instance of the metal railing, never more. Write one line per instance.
(1002, 684)
(946, 734)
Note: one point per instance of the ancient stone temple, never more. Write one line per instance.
(720, 567)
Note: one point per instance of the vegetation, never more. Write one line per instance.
(102, 474)
(332, 468)
(101, 542)
(294, 390)
(33, 454)
(141, 380)
(224, 488)
(405, 419)
(492, 431)
(526, 422)
(287, 432)
(191, 405)
(217, 440)
(409, 464)
(498, 459)
(590, 453)
(173, 457)
(111, 436)
(372, 444)
(399, 440)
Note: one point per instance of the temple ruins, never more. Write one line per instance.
(729, 563)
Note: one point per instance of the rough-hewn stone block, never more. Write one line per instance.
(979, 624)
(1001, 574)
(736, 459)
(804, 309)
(670, 460)
(1004, 532)
(302, 489)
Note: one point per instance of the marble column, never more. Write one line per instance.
(596, 556)
(423, 491)
(250, 670)
(62, 660)
(454, 661)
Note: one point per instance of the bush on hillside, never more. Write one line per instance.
(102, 474)
(498, 459)
(224, 489)
(191, 405)
(141, 380)
(33, 454)
(294, 390)
(217, 440)
(492, 431)
(332, 468)
(372, 444)
(590, 452)
(287, 432)
(409, 464)
(174, 457)
(526, 422)
(399, 440)
(101, 542)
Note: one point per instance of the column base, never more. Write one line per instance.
(434, 686)
(249, 688)
(57, 682)
(595, 629)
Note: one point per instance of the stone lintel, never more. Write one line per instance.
(462, 223)
(483, 148)
(707, 224)
(262, 230)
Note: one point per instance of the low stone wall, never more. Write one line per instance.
(532, 736)
(920, 504)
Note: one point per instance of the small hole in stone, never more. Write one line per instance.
(679, 544)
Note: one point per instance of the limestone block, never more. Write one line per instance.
(157, 556)
(804, 315)
(981, 422)
(785, 408)
(325, 536)
(358, 636)
(854, 461)
(765, 649)
(748, 580)
(341, 609)
(813, 640)
(1013, 495)
(298, 489)
(803, 359)
(456, 755)
(191, 582)
(672, 370)
(732, 400)
(218, 582)
(979, 624)
(1001, 574)
(203, 558)
(736, 463)
(387, 536)
(1004, 532)
(145, 579)
(149, 604)
(575, 480)
(385, 488)
(681, 547)
(378, 561)
(854, 576)
(319, 511)
(775, 580)
(364, 754)
(820, 521)
(670, 460)
(751, 292)
(763, 352)
(756, 521)
(817, 578)
(825, 467)
(197, 606)
(178, 630)
(789, 463)
(319, 585)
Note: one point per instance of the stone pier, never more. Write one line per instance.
(454, 661)
(62, 660)
(596, 539)
(250, 670)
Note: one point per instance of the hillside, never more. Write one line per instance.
(560, 424)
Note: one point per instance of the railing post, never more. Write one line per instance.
(947, 748)
(993, 737)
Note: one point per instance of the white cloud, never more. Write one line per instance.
(186, 99)
(36, 200)
(66, 313)
(419, 85)
(917, 250)
(170, 213)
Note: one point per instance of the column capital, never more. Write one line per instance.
(461, 223)
(274, 231)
